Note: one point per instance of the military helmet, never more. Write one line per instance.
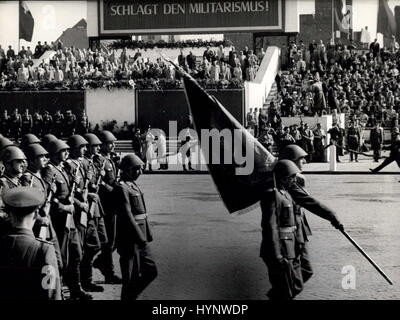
(106, 136)
(26, 199)
(76, 141)
(56, 146)
(28, 139)
(5, 142)
(46, 140)
(130, 161)
(92, 139)
(12, 153)
(292, 152)
(35, 150)
(286, 168)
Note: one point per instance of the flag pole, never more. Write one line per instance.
(19, 25)
(333, 22)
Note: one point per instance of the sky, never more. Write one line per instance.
(53, 17)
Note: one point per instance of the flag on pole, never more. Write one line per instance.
(240, 191)
(343, 18)
(386, 21)
(26, 22)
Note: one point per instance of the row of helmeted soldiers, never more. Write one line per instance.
(77, 179)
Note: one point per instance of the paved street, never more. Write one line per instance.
(204, 253)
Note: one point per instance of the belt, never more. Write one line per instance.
(141, 216)
(288, 229)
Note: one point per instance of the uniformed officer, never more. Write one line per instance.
(5, 222)
(5, 123)
(61, 212)
(37, 124)
(133, 233)
(70, 123)
(82, 124)
(83, 220)
(15, 124)
(26, 122)
(105, 160)
(47, 123)
(58, 124)
(28, 266)
(43, 228)
(279, 243)
(303, 199)
(353, 140)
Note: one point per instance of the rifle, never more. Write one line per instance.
(69, 223)
(96, 187)
(44, 230)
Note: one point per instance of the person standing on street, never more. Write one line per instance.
(133, 233)
(377, 139)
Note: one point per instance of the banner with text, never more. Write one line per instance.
(185, 16)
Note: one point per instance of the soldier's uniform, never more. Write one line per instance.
(58, 125)
(279, 243)
(70, 124)
(26, 123)
(133, 235)
(5, 124)
(83, 124)
(110, 169)
(28, 266)
(64, 224)
(15, 122)
(38, 124)
(47, 123)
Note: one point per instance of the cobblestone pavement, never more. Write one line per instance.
(204, 253)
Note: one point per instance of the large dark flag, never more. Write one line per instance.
(343, 18)
(26, 22)
(386, 21)
(241, 183)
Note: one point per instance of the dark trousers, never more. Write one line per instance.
(305, 262)
(105, 258)
(91, 246)
(286, 279)
(377, 154)
(138, 271)
(353, 156)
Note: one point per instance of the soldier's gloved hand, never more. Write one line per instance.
(67, 208)
(93, 197)
(85, 207)
(337, 224)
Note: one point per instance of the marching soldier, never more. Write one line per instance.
(43, 227)
(105, 160)
(61, 212)
(26, 122)
(5, 123)
(37, 124)
(15, 124)
(47, 123)
(133, 231)
(84, 221)
(58, 124)
(278, 246)
(304, 200)
(28, 266)
(70, 124)
(13, 160)
(98, 236)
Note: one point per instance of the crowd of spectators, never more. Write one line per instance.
(330, 79)
(71, 65)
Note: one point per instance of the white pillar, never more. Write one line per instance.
(332, 158)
